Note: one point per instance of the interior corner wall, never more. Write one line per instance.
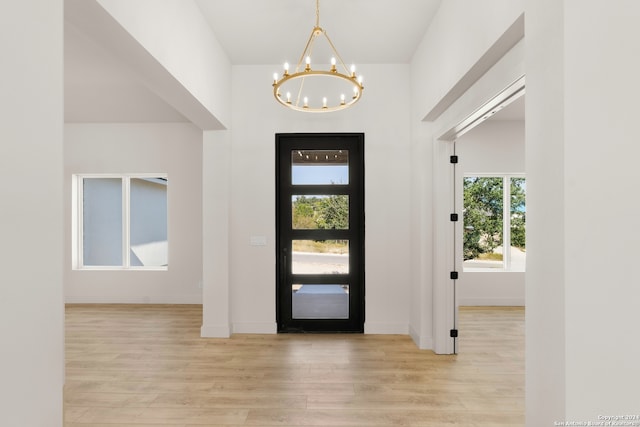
(31, 150)
(383, 116)
(467, 28)
(172, 148)
(498, 147)
(177, 35)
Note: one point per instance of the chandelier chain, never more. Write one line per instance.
(317, 13)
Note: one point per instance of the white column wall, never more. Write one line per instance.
(31, 294)
(175, 149)
(545, 287)
(421, 223)
(601, 178)
(581, 155)
(383, 115)
(216, 161)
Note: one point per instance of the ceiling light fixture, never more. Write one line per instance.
(320, 91)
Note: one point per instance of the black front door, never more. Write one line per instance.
(320, 232)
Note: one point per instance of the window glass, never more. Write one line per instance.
(320, 212)
(320, 257)
(518, 224)
(148, 237)
(320, 167)
(123, 222)
(102, 221)
(320, 301)
(483, 222)
(494, 223)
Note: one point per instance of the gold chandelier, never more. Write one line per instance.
(318, 91)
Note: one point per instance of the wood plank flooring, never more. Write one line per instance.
(146, 365)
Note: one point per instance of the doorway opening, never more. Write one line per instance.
(486, 165)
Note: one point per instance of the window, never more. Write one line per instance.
(494, 219)
(120, 222)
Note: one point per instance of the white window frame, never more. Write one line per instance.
(506, 220)
(78, 224)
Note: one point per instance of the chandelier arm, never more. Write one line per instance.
(300, 92)
(336, 52)
(310, 42)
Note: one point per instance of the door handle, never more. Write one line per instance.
(285, 270)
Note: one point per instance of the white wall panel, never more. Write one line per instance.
(174, 149)
(31, 150)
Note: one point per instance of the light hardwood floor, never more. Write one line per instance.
(146, 365)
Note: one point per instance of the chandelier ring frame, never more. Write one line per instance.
(358, 88)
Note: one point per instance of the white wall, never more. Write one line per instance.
(383, 115)
(455, 42)
(31, 296)
(175, 149)
(492, 147)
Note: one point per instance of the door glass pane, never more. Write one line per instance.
(102, 222)
(483, 218)
(320, 257)
(320, 301)
(320, 212)
(518, 224)
(319, 167)
(149, 245)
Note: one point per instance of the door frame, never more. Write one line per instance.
(354, 142)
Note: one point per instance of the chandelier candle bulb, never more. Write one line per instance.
(308, 61)
(306, 102)
(333, 65)
(353, 70)
(286, 68)
(288, 97)
(342, 99)
(275, 79)
(324, 102)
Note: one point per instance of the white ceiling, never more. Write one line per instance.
(363, 31)
(101, 88)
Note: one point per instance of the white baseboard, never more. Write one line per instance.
(215, 331)
(482, 302)
(423, 342)
(382, 328)
(155, 299)
(255, 328)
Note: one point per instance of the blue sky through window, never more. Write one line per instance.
(319, 174)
